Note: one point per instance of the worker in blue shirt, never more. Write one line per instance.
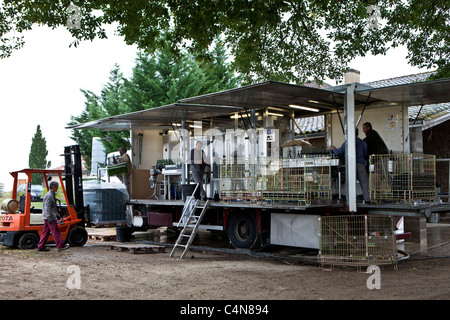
(361, 158)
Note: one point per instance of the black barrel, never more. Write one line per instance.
(123, 234)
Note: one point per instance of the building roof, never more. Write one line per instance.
(419, 77)
(427, 112)
(426, 115)
(311, 124)
(303, 100)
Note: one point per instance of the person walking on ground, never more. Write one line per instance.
(50, 216)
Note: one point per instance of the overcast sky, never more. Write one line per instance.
(40, 84)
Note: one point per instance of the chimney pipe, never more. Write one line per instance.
(352, 75)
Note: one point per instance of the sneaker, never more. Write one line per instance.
(43, 249)
(67, 246)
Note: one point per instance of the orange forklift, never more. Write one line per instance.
(22, 224)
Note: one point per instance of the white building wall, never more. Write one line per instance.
(387, 121)
(150, 150)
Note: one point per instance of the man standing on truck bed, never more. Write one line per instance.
(198, 164)
(375, 144)
(50, 216)
(361, 157)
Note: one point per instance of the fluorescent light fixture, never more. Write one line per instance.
(304, 108)
(237, 116)
(313, 101)
(275, 114)
(194, 126)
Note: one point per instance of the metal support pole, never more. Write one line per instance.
(405, 129)
(130, 180)
(253, 118)
(350, 146)
(211, 159)
(183, 152)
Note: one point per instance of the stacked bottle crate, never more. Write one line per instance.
(302, 180)
(402, 178)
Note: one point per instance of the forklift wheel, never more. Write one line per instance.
(77, 236)
(28, 241)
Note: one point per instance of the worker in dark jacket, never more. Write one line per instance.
(198, 164)
(375, 144)
(361, 157)
(51, 216)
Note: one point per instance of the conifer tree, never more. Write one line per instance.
(157, 79)
(37, 158)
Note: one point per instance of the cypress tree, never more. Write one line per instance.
(37, 159)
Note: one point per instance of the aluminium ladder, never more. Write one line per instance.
(189, 221)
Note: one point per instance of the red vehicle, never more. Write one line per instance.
(22, 224)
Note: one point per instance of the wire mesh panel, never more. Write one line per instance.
(239, 181)
(404, 178)
(359, 240)
(304, 180)
(301, 180)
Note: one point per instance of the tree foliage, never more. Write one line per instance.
(289, 40)
(37, 158)
(158, 79)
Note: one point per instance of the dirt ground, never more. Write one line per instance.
(207, 275)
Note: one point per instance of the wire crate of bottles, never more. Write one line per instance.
(357, 241)
(402, 178)
(239, 180)
(301, 180)
(305, 180)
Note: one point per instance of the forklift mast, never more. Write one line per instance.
(73, 179)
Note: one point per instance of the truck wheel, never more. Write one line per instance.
(243, 230)
(28, 241)
(77, 236)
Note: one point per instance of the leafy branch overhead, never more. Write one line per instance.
(288, 40)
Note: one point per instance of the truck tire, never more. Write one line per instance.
(28, 241)
(242, 230)
(77, 236)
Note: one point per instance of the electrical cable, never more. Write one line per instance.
(255, 254)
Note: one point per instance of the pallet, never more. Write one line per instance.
(103, 237)
(137, 248)
(108, 224)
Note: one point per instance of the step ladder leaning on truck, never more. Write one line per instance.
(190, 222)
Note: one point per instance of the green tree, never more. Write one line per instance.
(92, 111)
(157, 79)
(108, 103)
(37, 158)
(290, 40)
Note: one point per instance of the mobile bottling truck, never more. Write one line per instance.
(267, 185)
